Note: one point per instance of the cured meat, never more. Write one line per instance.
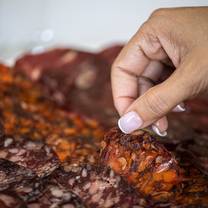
(99, 186)
(12, 174)
(141, 160)
(73, 74)
(10, 200)
(25, 113)
(33, 155)
(110, 53)
(55, 196)
(64, 75)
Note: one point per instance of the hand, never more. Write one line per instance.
(175, 38)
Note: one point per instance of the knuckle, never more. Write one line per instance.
(152, 44)
(155, 104)
(160, 12)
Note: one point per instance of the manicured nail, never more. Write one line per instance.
(179, 108)
(158, 132)
(129, 122)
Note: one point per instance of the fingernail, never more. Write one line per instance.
(129, 122)
(158, 132)
(179, 108)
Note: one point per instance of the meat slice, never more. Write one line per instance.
(10, 200)
(27, 115)
(33, 155)
(56, 196)
(75, 80)
(99, 186)
(12, 174)
(141, 160)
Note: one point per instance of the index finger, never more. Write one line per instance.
(130, 64)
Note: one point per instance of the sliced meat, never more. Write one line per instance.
(12, 174)
(141, 160)
(75, 80)
(10, 200)
(99, 186)
(58, 197)
(33, 155)
(27, 115)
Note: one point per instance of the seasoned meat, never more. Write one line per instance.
(67, 73)
(110, 53)
(25, 113)
(10, 200)
(12, 174)
(58, 197)
(33, 155)
(141, 160)
(99, 186)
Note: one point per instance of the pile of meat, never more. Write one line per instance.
(55, 109)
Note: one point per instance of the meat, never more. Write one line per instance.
(61, 146)
(67, 73)
(10, 200)
(99, 186)
(33, 155)
(141, 160)
(55, 196)
(12, 174)
(25, 113)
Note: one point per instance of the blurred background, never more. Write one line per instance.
(34, 25)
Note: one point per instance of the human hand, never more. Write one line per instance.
(176, 37)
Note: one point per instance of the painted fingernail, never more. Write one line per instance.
(129, 122)
(158, 132)
(179, 108)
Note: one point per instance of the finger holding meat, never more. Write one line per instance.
(141, 160)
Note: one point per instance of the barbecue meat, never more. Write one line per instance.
(141, 160)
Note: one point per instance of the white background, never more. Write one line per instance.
(86, 24)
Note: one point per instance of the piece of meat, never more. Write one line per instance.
(58, 197)
(25, 113)
(12, 174)
(99, 186)
(10, 200)
(75, 80)
(33, 155)
(141, 160)
(30, 190)
(110, 53)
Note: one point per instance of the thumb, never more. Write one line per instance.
(155, 103)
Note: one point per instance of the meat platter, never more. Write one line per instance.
(60, 147)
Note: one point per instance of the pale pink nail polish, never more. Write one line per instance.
(179, 108)
(130, 122)
(158, 132)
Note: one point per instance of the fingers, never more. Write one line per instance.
(154, 104)
(161, 126)
(131, 63)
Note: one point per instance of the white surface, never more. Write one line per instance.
(92, 24)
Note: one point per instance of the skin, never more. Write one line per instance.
(174, 38)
